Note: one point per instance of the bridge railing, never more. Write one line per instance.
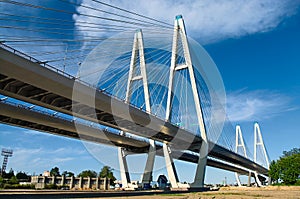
(32, 59)
(31, 108)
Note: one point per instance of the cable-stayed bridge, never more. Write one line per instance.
(173, 109)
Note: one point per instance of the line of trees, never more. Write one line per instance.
(106, 172)
(10, 180)
(286, 170)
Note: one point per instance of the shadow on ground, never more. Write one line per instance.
(72, 194)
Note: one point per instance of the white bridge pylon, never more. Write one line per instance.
(138, 50)
(258, 142)
(180, 36)
(239, 143)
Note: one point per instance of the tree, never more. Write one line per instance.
(294, 151)
(290, 168)
(274, 172)
(54, 171)
(107, 172)
(287, 168)
(88, 173)
(22, 176)
(13, 180)
(8, 175)
(68, 174)
(1, 182)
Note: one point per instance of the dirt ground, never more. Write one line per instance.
(224, 193)
(233, 193)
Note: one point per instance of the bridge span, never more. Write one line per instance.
(24, 116)
(24, 78)
(27, 79)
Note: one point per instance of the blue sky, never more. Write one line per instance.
(256, 47)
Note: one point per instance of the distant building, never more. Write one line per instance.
(46, 173)
(71, 182)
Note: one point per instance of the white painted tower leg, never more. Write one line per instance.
(201, 167)
(173, 178)
(125, 178)
(147, 176)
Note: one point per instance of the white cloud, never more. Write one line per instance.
(208, 20)
(256, 105)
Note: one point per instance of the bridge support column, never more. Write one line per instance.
(172, 174)
(201, 167)
(257, 181)
(171, 169)
(147, 176)
(249, 179)
(125, 178)
(238, 181)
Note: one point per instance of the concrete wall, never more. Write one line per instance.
(71, 182)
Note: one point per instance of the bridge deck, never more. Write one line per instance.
(22, 116)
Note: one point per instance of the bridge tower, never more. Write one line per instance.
(180, 36)
(137, 52)
(258, 142)
(239, 143)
